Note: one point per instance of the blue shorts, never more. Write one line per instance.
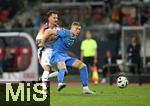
(62, 57)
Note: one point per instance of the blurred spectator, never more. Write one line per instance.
(97, 14)
(116, 14)
(4, 15)
(124, 21)
(147, 23)
(114, 29)
(66, 22)
(1, 62)
(2, 54)
(16, 25)
(129, 21)
(133, 22)
(110, 67)
(89, 50)
(37, 20)
(145, 14)
(2, 26)
(76, 14)
(133, 53)
(29, 23)
(8, 60)
(85, 16)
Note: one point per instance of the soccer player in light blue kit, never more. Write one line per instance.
(60, 58)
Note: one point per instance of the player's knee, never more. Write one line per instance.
(82, 65)
(47, 68)
(61, 65)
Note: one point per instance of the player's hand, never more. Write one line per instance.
(53, 37)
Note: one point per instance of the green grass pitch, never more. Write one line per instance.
(107, 95)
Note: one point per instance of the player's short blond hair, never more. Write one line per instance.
(75, 23)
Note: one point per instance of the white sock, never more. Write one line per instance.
(44, 79)
(54, 74)
(85, 87)
(60, 83)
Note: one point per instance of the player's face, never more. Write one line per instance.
(133, 40)
(76, 30)
(88, 35)
(53, 19)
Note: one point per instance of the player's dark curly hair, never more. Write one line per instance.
(49, 13)
(52, 12)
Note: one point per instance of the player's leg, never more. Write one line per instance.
(44, 61)
(62, 70)
(75, 63)
(45, 75)
(53, 74)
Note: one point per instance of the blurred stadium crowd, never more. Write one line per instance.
(102, 12)
(104, 18)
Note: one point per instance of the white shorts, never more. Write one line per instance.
(44, 56)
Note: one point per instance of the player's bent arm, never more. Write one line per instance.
(95, 57)
(40, 36)
(47, 34)
(61, 33)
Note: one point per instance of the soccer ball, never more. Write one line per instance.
(122, 82)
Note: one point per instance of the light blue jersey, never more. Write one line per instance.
(64, 41)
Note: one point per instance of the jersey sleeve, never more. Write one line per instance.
(61, 33)
(94, 44)
(82, 46)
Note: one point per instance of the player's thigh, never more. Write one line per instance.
(61, 64)
(47, 68)
(45, 61)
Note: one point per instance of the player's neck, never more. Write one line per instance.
(51, 25)
(88, 38)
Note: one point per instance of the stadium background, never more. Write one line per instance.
(18, 59)
(104, 18)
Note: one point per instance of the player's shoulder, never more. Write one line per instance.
(93, 40)
(64, 31)
(43, 28)
(67, 31)
(84, 41)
